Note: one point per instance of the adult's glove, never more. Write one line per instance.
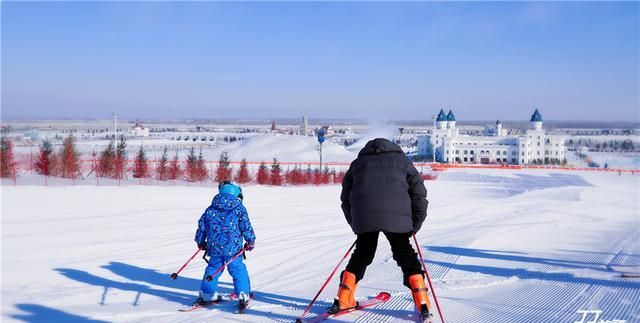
(249, 246)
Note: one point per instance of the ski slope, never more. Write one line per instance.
(502, 246)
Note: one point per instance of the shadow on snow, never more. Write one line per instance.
(39, 313)
(151, 282)
(519, 183)
(525, 273)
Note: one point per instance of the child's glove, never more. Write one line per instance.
(202, 246)
(248, 246)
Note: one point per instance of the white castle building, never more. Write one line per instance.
(138, 130)
(535, 146)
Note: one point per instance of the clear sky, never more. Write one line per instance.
(573, 61)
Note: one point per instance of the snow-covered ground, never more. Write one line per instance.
(255, 148)
(502, 246)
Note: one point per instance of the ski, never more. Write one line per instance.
(423, 315)
(199, 306)
(382, 297)
(422, 319)
(241, 309)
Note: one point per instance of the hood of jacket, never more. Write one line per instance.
(225, 202)
(380, 146)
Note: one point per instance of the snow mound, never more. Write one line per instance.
(287, 148)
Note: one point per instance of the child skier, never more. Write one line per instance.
(221, 231)
(383, 192)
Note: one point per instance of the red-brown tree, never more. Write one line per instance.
(201, 166)
(141, 164)
(243, 176)
(224, 171)
(43, 163)
(191, 166)
(69, 158)
(162, 171)
(7, 161)
(175, 171)
(275, 178)
(263, 174)
(106, 162)
(120, 161)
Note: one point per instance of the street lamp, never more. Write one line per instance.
(321, 141)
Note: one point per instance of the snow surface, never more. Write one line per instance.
(255, 148)
(285, 148)
(502, 246)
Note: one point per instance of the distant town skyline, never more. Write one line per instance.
(355, 60)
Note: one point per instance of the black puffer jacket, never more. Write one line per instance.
(383, 191)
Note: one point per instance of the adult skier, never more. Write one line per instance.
(383, 192)
(221, 231)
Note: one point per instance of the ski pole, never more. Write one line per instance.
(299, 320)
(175, 275)
(210, 277)
(424, 265)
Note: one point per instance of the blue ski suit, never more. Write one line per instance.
(223, 226)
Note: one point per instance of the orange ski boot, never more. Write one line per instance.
(420, 296)
(346, 294)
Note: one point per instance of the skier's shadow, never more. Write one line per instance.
(38, 313)
(192, 285)
(151, 282)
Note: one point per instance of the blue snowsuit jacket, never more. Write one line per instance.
(223, 226)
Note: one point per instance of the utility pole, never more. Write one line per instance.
(115, 127)
(433, 132)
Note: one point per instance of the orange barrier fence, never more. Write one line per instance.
(292, 173)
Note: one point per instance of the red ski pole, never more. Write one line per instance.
(424, 265)
(228, 262)
(299, 320)
(175, 275)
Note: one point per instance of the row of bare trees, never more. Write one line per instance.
(113, 162)
(63, 163)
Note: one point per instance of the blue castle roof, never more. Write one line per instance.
(450, 116)
(442, 116)
(536, 116)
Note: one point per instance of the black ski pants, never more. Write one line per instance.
(403, 253)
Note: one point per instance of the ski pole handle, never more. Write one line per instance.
(326, 282)
(174, 276)
(424, 265)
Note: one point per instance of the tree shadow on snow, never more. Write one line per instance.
(38, 313)
(525, 273)
(147, 281)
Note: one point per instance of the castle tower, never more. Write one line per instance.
(536, 120)
(442, 120)
(451, 120)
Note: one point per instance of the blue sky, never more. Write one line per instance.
(573, 61)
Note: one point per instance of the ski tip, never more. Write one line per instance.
(383, 296)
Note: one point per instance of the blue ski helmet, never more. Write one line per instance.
(230, 187)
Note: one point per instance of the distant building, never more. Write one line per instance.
(138, 130)
(273, 126)
(304, 126)
(495, 145)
